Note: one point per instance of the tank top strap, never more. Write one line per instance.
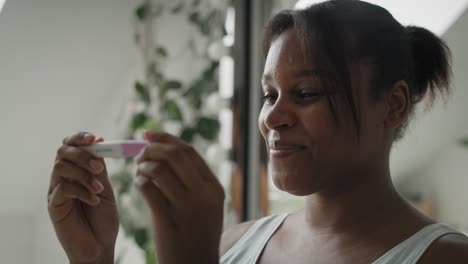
(251, 244)
(412, 249)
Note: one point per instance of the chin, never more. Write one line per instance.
(293, 185)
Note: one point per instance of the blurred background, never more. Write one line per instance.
(192, 67)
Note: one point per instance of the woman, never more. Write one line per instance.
(341, 80)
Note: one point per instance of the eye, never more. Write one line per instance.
(310, 95)
(269, 98)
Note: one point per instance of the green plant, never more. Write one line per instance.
(464, 142)
(164, 103)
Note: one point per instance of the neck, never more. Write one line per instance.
(362, 207)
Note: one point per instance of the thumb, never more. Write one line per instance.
(149, 135)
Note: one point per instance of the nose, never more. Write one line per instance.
(278, 116)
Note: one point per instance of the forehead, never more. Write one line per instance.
(286, 54)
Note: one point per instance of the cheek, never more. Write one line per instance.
(333, 143)
(261, 124)
(319, 125)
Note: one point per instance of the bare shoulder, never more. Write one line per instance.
(232, 235)
(448, 249)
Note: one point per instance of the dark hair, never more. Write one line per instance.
(339, 33)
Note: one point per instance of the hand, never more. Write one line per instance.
(185, 198)
(81, 203)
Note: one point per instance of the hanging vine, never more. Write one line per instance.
(172, 105)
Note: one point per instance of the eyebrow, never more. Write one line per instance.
(304, 73)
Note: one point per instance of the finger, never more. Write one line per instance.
(197, 160)
(81, 158)
(164, 178)
(157, 202)
(79, 139)
(107, 194)
(202, 167)
(68, 191)
(176, 157)
(190, 154)
(69, 171)
(153, 136)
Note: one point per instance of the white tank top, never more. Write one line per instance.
(247, 250)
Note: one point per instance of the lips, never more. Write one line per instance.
(279, 149)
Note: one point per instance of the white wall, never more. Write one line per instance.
(449, 177)
(45, 247)
(444, 182)
(15, 239)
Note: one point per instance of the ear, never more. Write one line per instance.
(398, 105)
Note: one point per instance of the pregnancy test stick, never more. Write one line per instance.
(117, 148)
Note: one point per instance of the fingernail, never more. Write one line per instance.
(95, 200)
(148, 165)
(88, 137)
(97, 186)
(140, 180)
(140, 154)
(155, 183)
(96, 166)
(138, 157)
(149, 134)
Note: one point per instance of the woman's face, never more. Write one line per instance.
(308, 150)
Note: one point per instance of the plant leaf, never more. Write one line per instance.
(143, 92)
(150, 254)
(140, 12)
(170, 85)
(157, 77)
(141, 237)
(151, 124)
(465, 142)
(193, 95)
(161, 51)
(187, 134)
(138, 121)
(177, 8)
(210, 71)
(195, 100)
(208, 127)
(172, 110)
(206, 84)
(194, 17)
(204, 27)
